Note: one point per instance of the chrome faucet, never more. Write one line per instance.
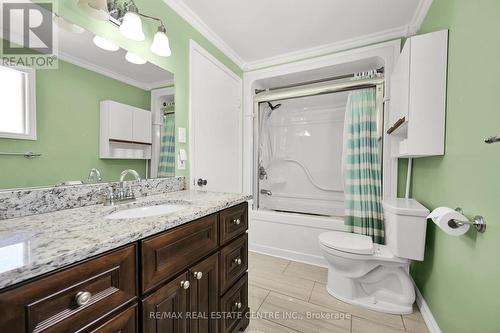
(266, 192)
(94, 176)
(124, 174)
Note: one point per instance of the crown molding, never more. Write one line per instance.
(325, 49)
(419, 16)
(194, 20)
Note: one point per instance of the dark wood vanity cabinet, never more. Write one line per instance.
(190, 279)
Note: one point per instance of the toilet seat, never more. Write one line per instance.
(357, 247)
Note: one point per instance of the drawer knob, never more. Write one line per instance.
(237, 305)
(185, 284)
(82, 297)
(237, 221)
(237, 261)
(198, 275)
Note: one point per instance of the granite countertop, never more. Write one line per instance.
(37, 244)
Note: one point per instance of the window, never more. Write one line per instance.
(17, 103)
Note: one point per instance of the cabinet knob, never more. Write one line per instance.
(185, 284)
(237, 261)
(237, 221)
(198, 275)
(237, 305)
(82, 297)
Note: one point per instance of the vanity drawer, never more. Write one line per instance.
(50, 304)
(235, 302)
(233, 222)
(125, 322)
(168, 254)
(234, 262)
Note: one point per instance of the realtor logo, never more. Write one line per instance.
(28, 34)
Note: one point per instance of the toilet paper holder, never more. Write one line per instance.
(478, 222)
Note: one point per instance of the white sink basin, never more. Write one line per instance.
(145, 211)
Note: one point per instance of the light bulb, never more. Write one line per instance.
(134, 58)
(131, 27)
(98, 9)
(105, 44)
(161, 45)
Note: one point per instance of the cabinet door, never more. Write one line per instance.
(400, 86)
(165, 310)
(142, 126)
(120, 121)
(204, 295)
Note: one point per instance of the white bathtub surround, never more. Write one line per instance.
(24, 202)
(376, 276)
(42, 243)
(291, 236)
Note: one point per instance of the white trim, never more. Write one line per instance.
(195, 47)
(30, 106)
(106, 72)
(196, 22)
(429, 319)
(387, 51)
(289, 255)
(317, 51)
(418, 17)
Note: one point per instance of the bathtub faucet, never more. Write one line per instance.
(266, 192)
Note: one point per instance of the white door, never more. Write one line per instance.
(215, 124)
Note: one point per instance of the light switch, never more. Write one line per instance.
(182, 135)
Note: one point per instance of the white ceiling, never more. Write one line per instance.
(80, 50)
(262, 32)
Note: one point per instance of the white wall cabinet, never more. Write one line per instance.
(125, 131)
(418, 96)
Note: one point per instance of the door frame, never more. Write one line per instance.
(196, 48)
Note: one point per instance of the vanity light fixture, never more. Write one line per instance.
(97, 9)
(134, 58)
(105, 44)
(127, 17)
(131, 26)
(161, 45)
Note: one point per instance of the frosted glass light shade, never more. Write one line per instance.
(161, 45)
(97, 9)
(105, 44)
(131, 27)
(134, 58)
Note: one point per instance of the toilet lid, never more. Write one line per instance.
(347, 242)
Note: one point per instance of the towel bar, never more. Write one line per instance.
(28, 154)
(492, 139)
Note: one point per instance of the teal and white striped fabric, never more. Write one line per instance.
(166, 167)
(362, 169)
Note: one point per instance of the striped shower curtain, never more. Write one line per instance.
(362, 167)
(166, 167)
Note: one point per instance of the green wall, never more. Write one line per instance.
(68, 129)
(460, 277)
(179, 33)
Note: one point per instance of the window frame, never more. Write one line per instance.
(30, 106)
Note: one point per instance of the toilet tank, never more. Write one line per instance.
(405, 225)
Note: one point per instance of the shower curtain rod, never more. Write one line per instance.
(381, 70)
(319, 89)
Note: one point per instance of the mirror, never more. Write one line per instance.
(101, 111)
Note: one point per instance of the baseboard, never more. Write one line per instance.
(431, 323)
(288, 254)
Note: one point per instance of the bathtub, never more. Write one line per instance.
(291, 235)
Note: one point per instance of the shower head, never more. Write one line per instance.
(273, 107)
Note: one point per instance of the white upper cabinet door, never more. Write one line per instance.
(400, 85)
(120, 120)
(142, 126)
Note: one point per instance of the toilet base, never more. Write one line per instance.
(380, 306)
(384, 289)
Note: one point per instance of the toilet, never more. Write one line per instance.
(376, 276)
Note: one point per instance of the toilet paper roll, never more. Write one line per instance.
(441, 216)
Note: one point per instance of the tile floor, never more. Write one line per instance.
(289, 296)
